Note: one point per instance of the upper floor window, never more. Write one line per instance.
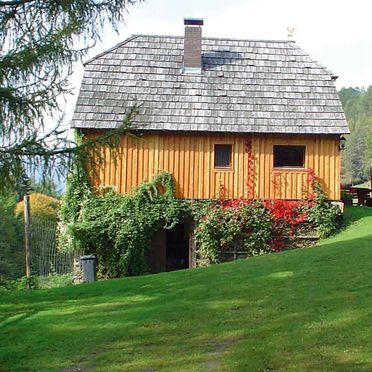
(222, 156)
(289, 156)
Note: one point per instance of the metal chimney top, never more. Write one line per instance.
(193, 21)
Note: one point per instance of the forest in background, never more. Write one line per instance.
(357, 104)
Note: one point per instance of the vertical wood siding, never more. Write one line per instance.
(190, 158)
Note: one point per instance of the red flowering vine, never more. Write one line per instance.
(311, 176)
(251, 174)
(277, 184)
(222, 192)
(316, 189)
(235, 203)
(285, 213)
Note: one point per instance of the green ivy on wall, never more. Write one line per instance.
(118, 228)
(221, 226)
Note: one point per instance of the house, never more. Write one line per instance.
(245, 118)
(204, 101)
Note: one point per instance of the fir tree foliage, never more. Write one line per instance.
(357, 104)
(39, 43)
(11, 239)
(46, 185)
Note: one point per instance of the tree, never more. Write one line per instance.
(40, 40)
(350, 99)
(11, 239)
(357, 104)
(46, 186)
(354, 158)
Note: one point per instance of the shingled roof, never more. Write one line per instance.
(246, 86)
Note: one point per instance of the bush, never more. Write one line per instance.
(41, 206)
(220, 227)
(37, 282)
(56, 280)
(326, 217)
(345, 195)
(20, 284)
(258, 227)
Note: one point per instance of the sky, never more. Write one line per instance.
(336, 33)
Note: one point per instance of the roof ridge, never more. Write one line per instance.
(134, 36)
(223, 38)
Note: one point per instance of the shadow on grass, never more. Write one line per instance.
(15, 318)
(306, 310)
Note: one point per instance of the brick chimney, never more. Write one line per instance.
(192, 63)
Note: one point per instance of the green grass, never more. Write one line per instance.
(304, 310)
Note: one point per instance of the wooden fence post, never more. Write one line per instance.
(26, 200)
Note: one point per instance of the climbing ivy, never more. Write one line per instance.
(222, 226)
(118, 228)
(326, 217)
(78, 191)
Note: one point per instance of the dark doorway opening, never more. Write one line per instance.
(177, 247)
(170, 250)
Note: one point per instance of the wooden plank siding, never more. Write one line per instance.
(190, 158)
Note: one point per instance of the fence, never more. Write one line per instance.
(45, 258)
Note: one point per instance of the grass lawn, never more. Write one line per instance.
(304, 310)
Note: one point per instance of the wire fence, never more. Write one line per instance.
(45, 257)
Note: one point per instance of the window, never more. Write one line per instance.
(222, 156)
(289, 156)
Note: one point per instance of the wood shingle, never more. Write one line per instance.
(246, 86)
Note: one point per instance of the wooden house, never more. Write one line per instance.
(242, 117)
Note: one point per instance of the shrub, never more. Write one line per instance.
(286, 215)
(56, 280)
(326, 217)
(259, 226)
(37, 282)
(346, 195)
(221, 226)
(41, 206)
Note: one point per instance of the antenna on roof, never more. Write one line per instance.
(291, 32)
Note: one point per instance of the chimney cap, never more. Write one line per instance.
(193, 21)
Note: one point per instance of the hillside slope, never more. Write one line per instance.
(304, 310)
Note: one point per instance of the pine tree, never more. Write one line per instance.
(39, 42)
(357, 104)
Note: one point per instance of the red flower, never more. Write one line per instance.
(311, 196)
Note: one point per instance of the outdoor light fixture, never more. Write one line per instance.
(342, 144)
